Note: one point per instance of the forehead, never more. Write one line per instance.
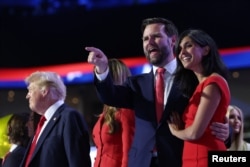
(234, 112)
(32, 85)
(185, 40)
(154, 28)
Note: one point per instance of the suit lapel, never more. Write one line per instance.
(176, 102)
(171, 102)
(52, 122)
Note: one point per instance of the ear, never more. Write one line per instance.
(206, 50)
(173, 40)
(44, 90)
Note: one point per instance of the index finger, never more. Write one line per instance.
(91, 49)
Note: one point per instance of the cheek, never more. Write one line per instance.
(37, 96)
(231, 121)
(196, 53)
(179, 56)
(144, 44)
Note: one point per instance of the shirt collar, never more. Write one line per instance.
(170, 67)
(52, 109)
(13, 147)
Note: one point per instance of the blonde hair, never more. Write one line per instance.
(119, 72)
(49, 79)
(237, 138)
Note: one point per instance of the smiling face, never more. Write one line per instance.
(191, 54)
(157, 45)
(235, 120)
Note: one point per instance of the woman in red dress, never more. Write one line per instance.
(202, 76)
(114, 130)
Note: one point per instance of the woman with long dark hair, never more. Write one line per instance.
(202, 76)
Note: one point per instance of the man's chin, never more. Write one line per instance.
(154, 61)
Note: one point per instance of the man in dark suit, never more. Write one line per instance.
(63, 140)
(153, 143)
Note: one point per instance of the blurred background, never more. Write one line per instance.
(52, 34)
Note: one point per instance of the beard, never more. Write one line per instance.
(160, 58)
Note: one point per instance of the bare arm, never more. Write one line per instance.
(210, 99)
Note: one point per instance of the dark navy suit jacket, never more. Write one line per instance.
(15, 157)
(138, 94)
(64, 141)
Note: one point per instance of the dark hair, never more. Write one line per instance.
(170, 28)
(210, 63)
(17, 129)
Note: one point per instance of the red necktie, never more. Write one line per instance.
(33, 144)
(159, 93)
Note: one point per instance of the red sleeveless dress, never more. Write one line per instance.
(195, 153)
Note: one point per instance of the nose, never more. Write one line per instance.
(181, 51)
(151, 40)
(27, 96)
(237, 120)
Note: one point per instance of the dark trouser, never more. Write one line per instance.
(154, 162)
